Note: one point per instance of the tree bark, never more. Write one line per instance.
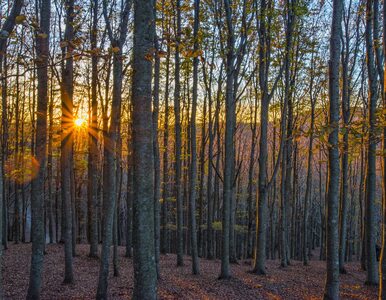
(332, 283)
(37, 199)
(145, 275)
(193, 146)
(92, 189)
(157, 167)
(111, 146)
(382, 273)
(371, 258)
(67, 141)
(178, 145)
(230, 113)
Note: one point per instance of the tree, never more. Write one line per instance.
(37, 200)
(92, 190)
(382, 261)
(67, 139)
(347, 74)
(145, 277)
(110, 145)
(157, 167)
(193, 144)
(264, 35)
(332, 282)
(178, 140)
(287, 135)
(229, 148)
(371, 258)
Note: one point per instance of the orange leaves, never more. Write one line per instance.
(149, 57)
(114, 49)
(192, 54)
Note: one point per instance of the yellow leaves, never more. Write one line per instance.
(150, 55)
(20, 19)
(95, 51)
(42, 35)
(21, 167)
(115, 49)
(162, 53)
(193, 54)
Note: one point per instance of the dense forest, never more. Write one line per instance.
(198, 149)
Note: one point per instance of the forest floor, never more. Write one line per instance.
(295, 282)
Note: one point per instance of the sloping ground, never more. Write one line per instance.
(294, 282)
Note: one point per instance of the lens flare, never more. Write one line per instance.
(21, 168)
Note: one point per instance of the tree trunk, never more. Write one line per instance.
(382, 273)
(110, 180)
(92, 189)
(37, 199)
(165, 175)
(67, 141)
(157, 167)
(129, 194)
(371, 258)
(230, 113)
(193, 146)
(332, 283)
(178, 145)
(145, 275)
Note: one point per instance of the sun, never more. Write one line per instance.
(79, 122)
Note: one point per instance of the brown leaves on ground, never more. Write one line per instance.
(295, 282)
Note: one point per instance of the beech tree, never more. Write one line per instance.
(143, 202)
(37, 202)
(372, 270)
(332, 282)
(219, 136)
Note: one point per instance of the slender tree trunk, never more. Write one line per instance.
(371, 258)
(4, 142)
(210, 195)
(332, 283)
(251, 190)
(382, 273)
(145, 275)
(37, 200)
(67, 141)
(263, 186)
(16, 183)
(92, 189)
(345, 154)
(111, 147)
(129, 194)
(230, 113)
(165, 176)
(157, 167)
(178, 145)
(308, 194)
(193, 146)
(50, 203)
